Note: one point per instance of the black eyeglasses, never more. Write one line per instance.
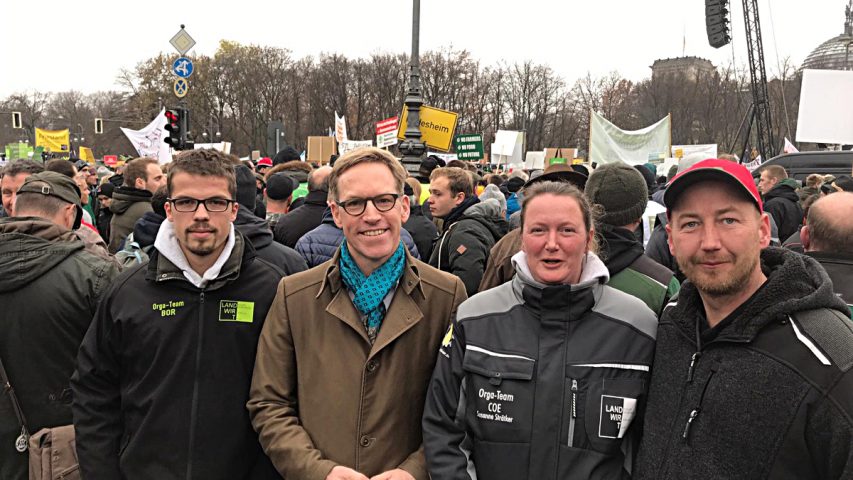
(356, 206)
(188, 204)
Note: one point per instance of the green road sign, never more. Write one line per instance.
(469, 146)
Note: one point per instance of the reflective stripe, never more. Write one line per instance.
(496, 354)
(809, 344)
(622, 366)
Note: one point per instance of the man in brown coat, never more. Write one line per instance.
(348, 347)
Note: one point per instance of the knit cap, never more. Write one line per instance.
(620, 190)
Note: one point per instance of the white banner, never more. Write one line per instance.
(684, 151)
(507, 147)
(348, 145)
(149, 142)
(340, 128)
(609, 144)
(826, 107)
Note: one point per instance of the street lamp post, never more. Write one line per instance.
(78, 139)
(412, 148)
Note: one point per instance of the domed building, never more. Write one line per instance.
(835, 53)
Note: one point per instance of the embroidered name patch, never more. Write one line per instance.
(616, 416)
(234, 311)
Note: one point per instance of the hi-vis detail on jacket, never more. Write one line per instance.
(234, 311)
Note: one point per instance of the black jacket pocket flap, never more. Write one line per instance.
(498, 365)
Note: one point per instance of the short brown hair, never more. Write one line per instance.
(776, 171)
(296, 165)
(366, 155)
(416, 189)
(62, 166)
(460, 180)
(205, 162)
(137, 169)
(562, 189)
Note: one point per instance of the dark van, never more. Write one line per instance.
(802, 164)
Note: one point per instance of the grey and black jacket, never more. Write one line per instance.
(766, 394)
(541, 382)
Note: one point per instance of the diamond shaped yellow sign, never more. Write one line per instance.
(182, 41)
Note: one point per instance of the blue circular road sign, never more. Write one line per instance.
(182, 67)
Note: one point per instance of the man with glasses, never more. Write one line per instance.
(164, 371)
(347, 352)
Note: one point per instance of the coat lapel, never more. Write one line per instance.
(403, 313)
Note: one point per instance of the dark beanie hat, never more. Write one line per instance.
(106, 189)
(280, 186)
(246, 187)
(647, 174)
(285, 155)
(620, 190)
(514, 184)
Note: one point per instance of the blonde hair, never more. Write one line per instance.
(366, 155)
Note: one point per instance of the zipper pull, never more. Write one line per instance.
(693, 361)
(574, 398)
(693, 415)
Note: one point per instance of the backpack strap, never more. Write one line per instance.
(21, 443)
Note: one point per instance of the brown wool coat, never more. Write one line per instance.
(323, 396)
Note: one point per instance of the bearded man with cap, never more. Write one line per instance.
(620, 193)
(752, 374)
(41, 258)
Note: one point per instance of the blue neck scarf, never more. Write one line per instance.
(369, 292)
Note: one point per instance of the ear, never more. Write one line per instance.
(139, 184)
(764, 230)
(168, 207)
(406, 204)
(806, 238)
(669, 237)
(336, 214)
(459, 198)
(70, 215)
(590, 241)
(234, 207)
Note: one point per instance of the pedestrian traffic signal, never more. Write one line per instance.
(717, 22)
(16, 120)
(99, 126)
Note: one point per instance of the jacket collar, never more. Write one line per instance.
(316, 197)
(402, 315)
(795, 283)
(559, 302)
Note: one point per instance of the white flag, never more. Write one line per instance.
(608, 143)
(340, 128)
(149, 142)
(789, 147)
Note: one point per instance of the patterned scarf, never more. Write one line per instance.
(369, 292)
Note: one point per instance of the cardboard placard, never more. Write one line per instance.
(320, 149)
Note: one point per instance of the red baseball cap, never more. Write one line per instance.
(712, 169)
(265, 162)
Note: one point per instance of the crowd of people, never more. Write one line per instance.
(225, 319)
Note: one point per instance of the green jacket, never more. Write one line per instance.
(634, 273)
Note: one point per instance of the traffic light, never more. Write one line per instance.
(717, 22)
(99, 126)
(177, 124)
(173, 126)
(16, 120)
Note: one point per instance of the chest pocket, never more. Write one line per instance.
(500, 394)
(613, 405)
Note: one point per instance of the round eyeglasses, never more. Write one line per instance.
(189, 204)
(356, 206)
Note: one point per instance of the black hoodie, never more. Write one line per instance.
(463, 248)
(783, 203)
(767, 393)
(259, 234)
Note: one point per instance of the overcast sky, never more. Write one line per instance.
(53, 45)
